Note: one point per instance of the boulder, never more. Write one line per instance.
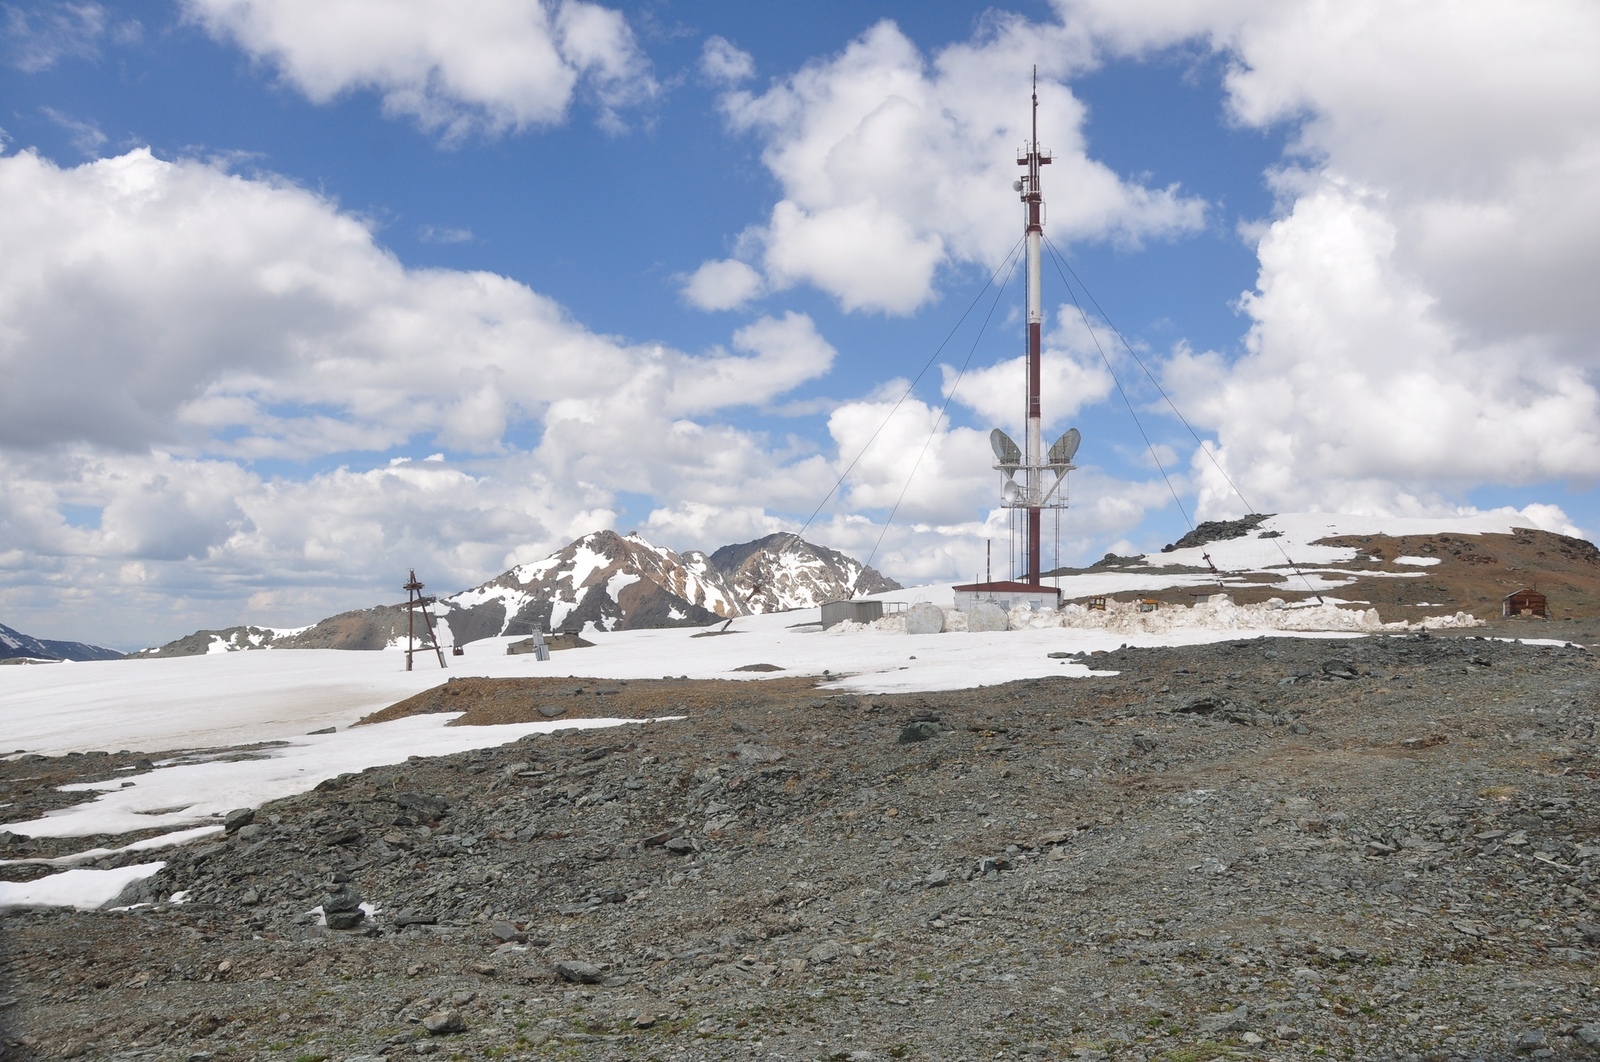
(987, 616)
(924, 618)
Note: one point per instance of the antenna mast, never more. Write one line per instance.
(1032, 495)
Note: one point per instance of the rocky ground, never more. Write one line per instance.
(1279, 849)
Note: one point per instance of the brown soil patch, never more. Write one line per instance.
(1474, 573)
(489, 701)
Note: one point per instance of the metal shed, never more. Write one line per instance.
(1524, 602)
(852, 611)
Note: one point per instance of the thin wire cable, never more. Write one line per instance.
(912, 386)
(1060, 263)
(948, 398)
(1125, 399)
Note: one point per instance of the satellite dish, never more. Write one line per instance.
(1005, 451)
(1009, 492)
(1065, 447)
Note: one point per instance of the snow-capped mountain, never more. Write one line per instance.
(784, 571)
(14, 645)
(607, 580)
(615, 582)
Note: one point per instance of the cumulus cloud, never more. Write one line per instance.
(225, 319)
(490, 66)
(1072, 377)
(894, 164)
(722, 284)
(1422, 322)
(1357, 393)
(725, 63)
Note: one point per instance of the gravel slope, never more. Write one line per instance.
(1276, 848)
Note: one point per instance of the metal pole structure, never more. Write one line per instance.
(411, 588)
(1033, 199)
(414, 601)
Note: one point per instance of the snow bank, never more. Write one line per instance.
(83, 889)
(1124, 617)
(190, 793)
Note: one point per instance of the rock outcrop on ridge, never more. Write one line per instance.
(14, 645)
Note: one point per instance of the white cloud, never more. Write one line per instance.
(443, 234)
(725, 63)
(785, 352)
(490, 65)
(85, 136)
(37, 40)
(1357, 394)
(893, 164)
(223, 319)
(722, 284)
(1423, 321)
(1072, 377)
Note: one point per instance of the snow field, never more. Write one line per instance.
(242, 698)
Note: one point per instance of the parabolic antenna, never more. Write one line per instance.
(1005, 451)
(1009, 492)
(1064, 449)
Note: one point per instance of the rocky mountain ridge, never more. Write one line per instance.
(18, 647)
(603, 580)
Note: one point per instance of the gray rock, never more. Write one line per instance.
(1342, 669)
(507, 933)
(987, 616)
(1528, 1041)
(238, 817)
(423, 805)
(444, 1023)
(552, 711)
(938, 879)
(340, 900)
(1588, 1035)
(581, 973)
(1144, 742)
(1204, 704)
(921, 730)
(924, 618)
(679, 846)
(344, 919)
(409, 917)
(824, 953)
(1235, 1020)
(251, 833)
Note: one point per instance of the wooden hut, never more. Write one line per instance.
(1525, 602)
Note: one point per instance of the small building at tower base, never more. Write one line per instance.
(1007, 595)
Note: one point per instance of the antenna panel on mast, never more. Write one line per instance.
(1008, 453)
(1064, 448)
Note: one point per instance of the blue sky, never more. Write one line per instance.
(291, 301)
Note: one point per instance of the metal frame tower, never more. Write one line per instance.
(1036, 492)
(415, 601)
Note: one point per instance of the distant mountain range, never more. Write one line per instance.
(14, 645)
(603, 580)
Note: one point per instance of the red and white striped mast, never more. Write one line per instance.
(1033, 198)
(1037, 491)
